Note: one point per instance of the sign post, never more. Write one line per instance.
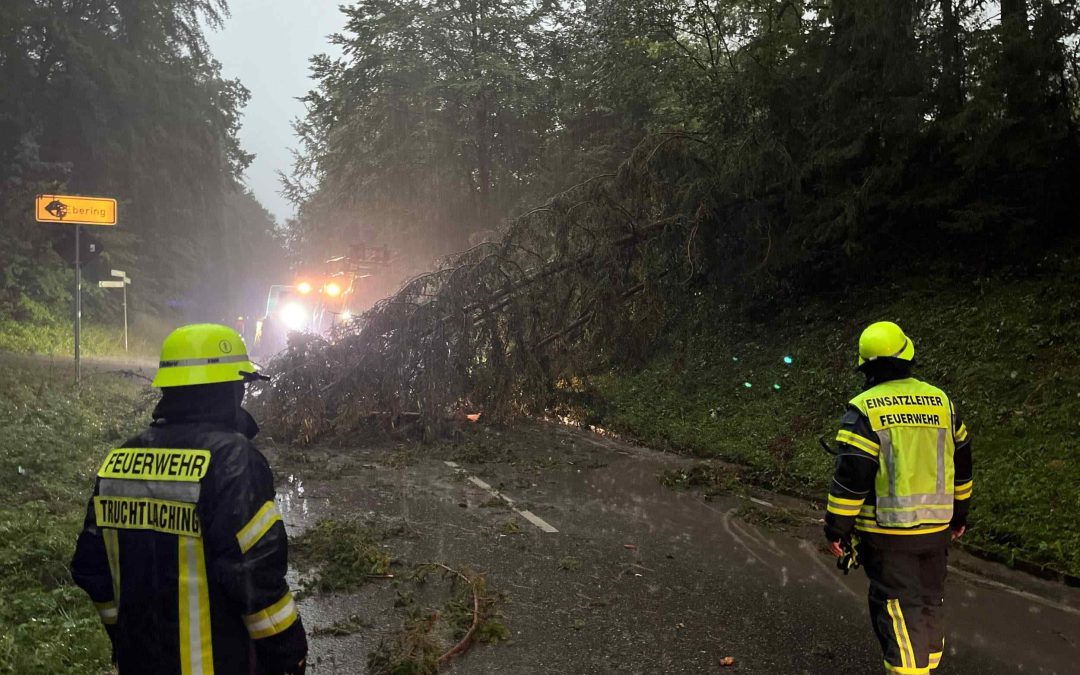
(78, 309)
(78, 211)
(123, 282)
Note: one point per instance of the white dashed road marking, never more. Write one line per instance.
(527, 515)
(479, 483)
(536, 520)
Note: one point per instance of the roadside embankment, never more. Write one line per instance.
(55, 337)
(1004, 348)
(52, 438)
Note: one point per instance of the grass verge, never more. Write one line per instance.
(1004, 349)
(52, 440)
(56, 338)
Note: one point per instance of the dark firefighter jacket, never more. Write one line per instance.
(184, 553)
(859, 466)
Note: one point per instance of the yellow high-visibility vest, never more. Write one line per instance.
(913, 421)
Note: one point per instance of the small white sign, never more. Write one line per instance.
(111, 284)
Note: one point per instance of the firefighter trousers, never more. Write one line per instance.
(907, 590)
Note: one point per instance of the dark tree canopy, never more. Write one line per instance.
(636, 158)
(840, 126)
(121, 98)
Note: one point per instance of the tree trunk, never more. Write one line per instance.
(482, 127)
(1018, 84)
(483, 162)
(951, 93)
(899, 51)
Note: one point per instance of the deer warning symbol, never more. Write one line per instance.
(57, 208)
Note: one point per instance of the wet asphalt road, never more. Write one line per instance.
(639, 578)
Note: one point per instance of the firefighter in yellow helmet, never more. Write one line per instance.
(900, 493)
(183, 550)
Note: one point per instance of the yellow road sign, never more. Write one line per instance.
(75, 209)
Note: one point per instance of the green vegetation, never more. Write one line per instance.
(774, 518)
(53, 338)
(53, 439)
(714, 480)
(429, 636)
(354, 623)
(1004, 348)
(413, 650)
(341, 555)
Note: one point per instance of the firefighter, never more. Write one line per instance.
(900, 493)
(183, 550)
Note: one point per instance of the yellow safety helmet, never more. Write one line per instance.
(885, 339)
(202, 353)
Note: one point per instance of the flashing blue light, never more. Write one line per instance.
(788, 360)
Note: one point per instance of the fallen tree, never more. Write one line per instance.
(498, 327)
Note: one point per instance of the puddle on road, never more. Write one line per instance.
(295, 507)
(301, 506)
(299, 513)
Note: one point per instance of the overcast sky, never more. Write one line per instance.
(266, 44)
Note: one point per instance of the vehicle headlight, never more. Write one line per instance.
(294, 316)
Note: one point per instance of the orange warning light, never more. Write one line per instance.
(332, 289)
(304, 287)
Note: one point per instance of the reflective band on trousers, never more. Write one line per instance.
(196, 651)
(179, 363)
(152, 489)
(108, 611)
(900, 631)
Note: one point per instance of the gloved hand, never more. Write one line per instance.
(958, 532)
(847, 555)
(283, 654)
